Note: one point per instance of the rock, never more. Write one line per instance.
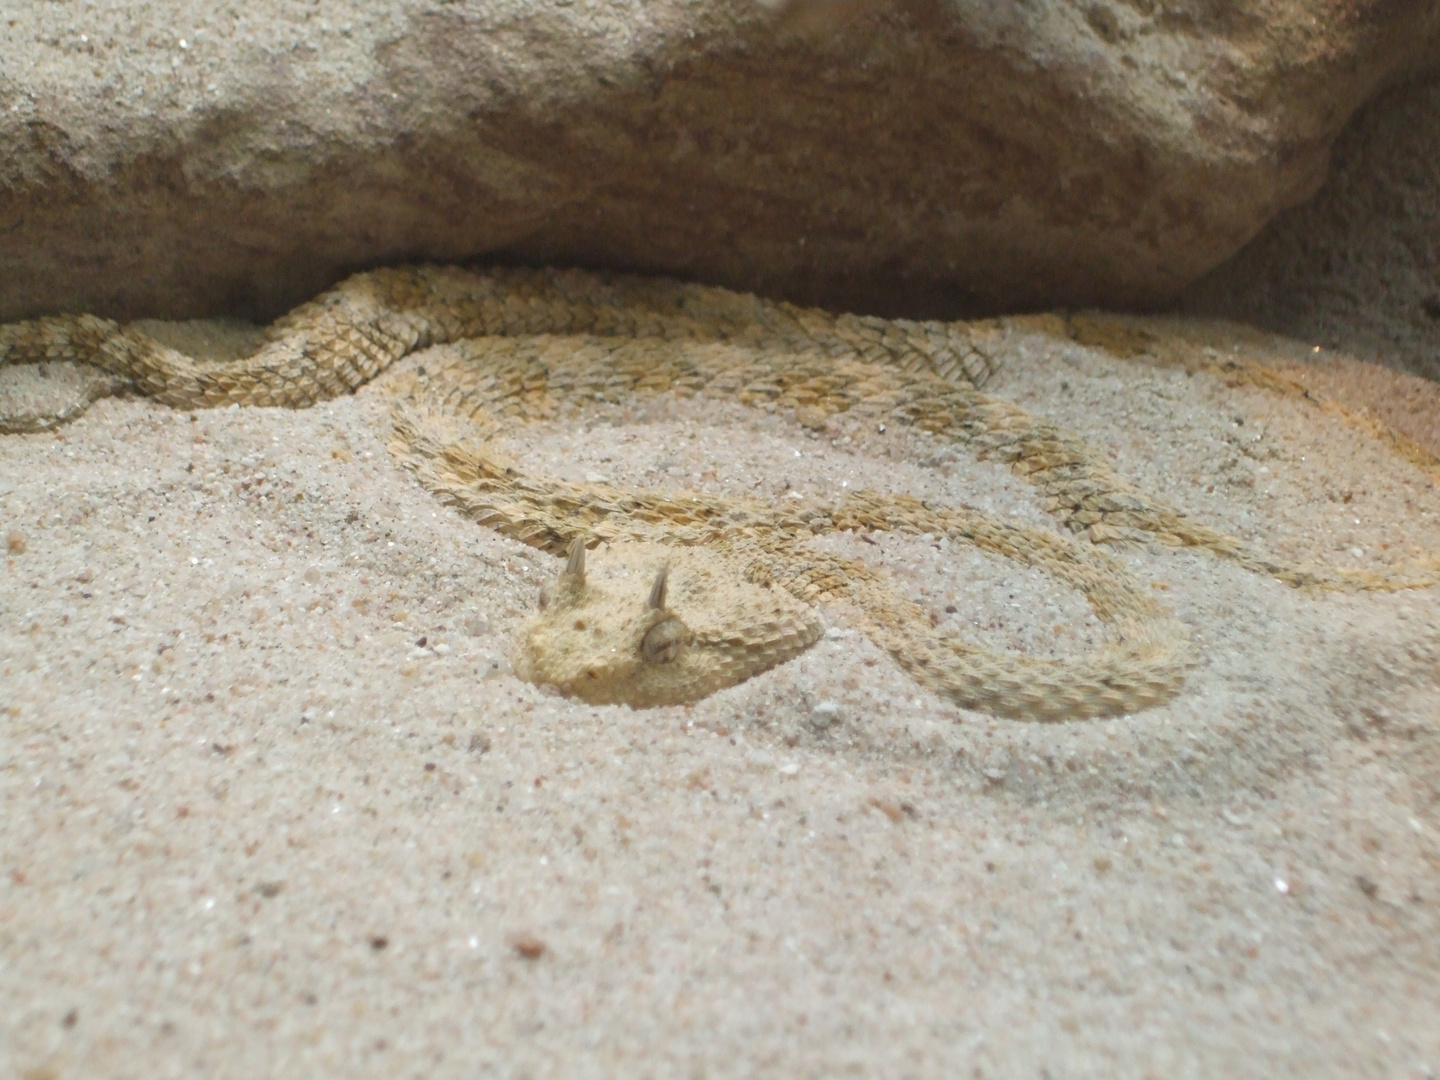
(825, 714)
(173, 158)
(1357, 267)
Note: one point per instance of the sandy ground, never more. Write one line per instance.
(273, 804)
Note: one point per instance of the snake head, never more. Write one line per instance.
(664, 626)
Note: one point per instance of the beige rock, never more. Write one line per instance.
(178, 158)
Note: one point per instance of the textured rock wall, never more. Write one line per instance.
(172, 157)
(1358, 266)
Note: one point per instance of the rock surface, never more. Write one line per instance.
(167, 157)
(1358, 266)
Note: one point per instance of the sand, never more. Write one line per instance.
(274, 804)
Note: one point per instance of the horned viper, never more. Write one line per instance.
(719, 588)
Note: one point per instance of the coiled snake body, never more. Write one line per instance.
(722, 588)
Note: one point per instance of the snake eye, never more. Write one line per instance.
(662, 641)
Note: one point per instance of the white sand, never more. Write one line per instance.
(253, 828)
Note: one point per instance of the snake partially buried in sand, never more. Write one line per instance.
(712, 590)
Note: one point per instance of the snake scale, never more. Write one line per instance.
(722, 588)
